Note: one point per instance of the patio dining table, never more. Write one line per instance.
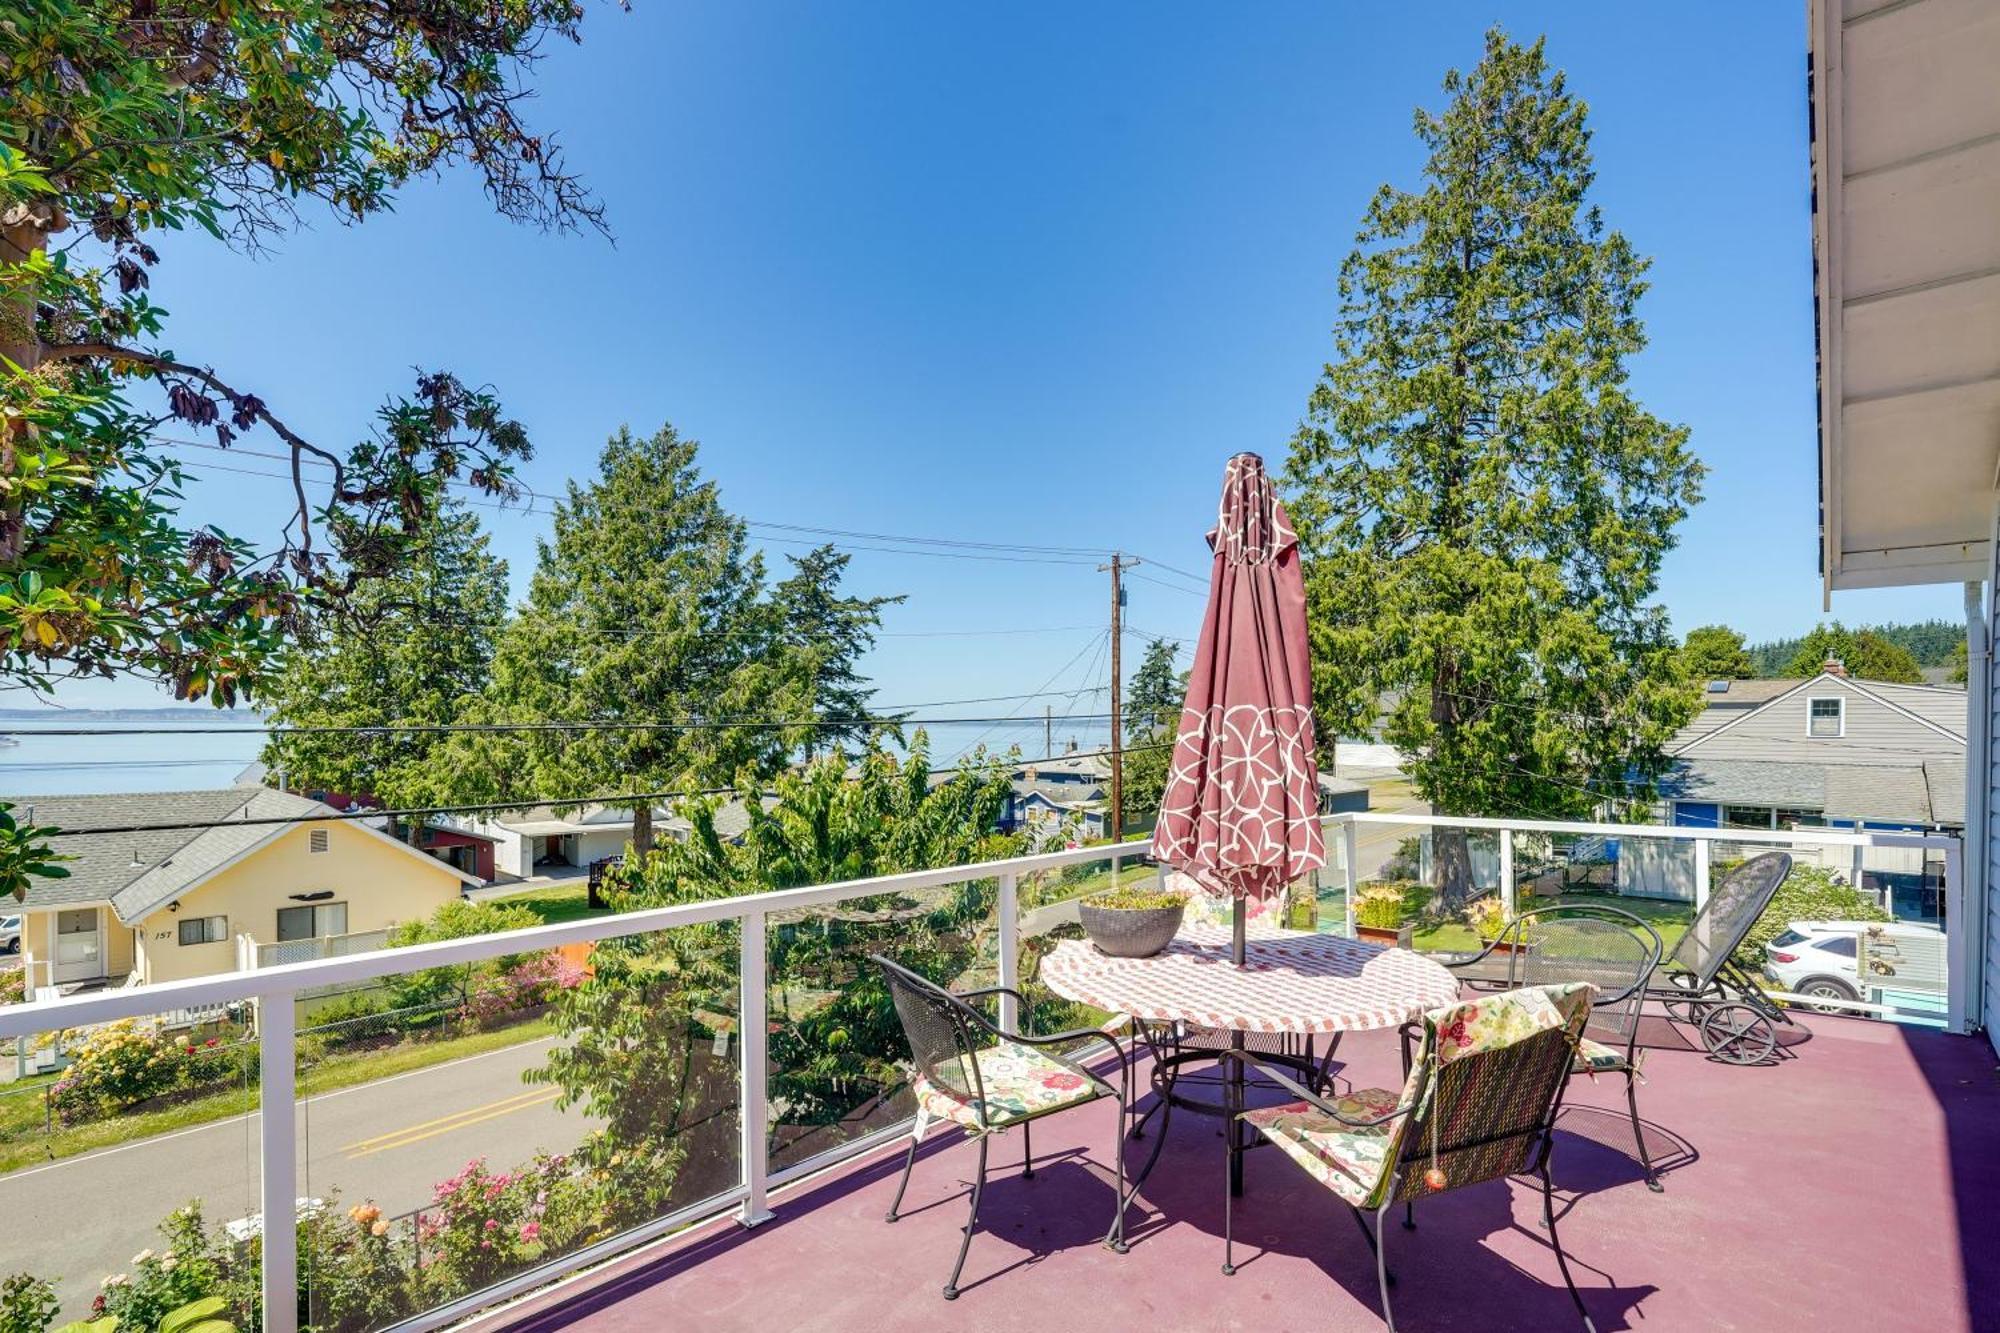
(1295, 985)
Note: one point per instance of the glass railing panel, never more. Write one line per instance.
(837, 1050)
(461, 1126)
(130, 1168)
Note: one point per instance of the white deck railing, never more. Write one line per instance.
(273, 990)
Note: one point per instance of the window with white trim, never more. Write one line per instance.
(1826, 718)
(307, 923)
(204, 929)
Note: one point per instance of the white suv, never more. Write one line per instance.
(1818, 958)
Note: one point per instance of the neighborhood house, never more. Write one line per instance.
(238, 891)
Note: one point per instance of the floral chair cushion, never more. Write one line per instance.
(1594, 1057)
(1354, 1161)
(1020, 1083)
(1348, 1160)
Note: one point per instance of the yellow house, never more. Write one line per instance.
(254, 881)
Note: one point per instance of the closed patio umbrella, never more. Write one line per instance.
(1240, 813)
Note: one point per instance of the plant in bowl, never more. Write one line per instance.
(1378, 915)
(1131, 922)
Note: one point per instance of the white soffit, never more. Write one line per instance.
(1906, 238)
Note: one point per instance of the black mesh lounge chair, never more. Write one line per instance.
(1616, 953)
(968, 1071)
(1479, 1104)
(1700, 984)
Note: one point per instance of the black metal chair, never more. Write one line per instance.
(1616, 953)
(969, 1071)
(1700, 982)
(1479, 1104)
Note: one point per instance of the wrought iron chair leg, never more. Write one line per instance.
(1382, 1271)
(1409, 1216)
(909, 1160)
(1555, 1243)
(1116, 1237)
(1159, 1140)
(1228, 1212)
(1367, 1235)
(1639, 1133)
(971, 1220)
(1027, 1152)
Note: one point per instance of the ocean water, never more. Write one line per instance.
(177, 758)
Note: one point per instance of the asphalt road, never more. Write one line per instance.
(83, 1217)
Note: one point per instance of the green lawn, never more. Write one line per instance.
(24, 1140)
(558, 902)
(1670, 919)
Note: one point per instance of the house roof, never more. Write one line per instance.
(137, 873)
(1928, 791)
(1941, 710)
(1057, 792)
(1092, 766)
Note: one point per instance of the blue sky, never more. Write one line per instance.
(1030, 274)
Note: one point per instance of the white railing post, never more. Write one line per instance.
(1507, 872)
(1007, 907)
(278, 1107)
(1701, 846)
(1963, 938)
(1349, 852)
(753, 1091)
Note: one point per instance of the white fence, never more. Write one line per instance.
(320, 946)
(275, 989)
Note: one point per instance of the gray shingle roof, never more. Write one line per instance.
(137, 872)
(1929, 791)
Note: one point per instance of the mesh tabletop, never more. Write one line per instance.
(1288, 983)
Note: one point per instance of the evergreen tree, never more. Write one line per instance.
(1482, 504)
(1716, 652)
(829, 632)
(414, 647)
(1864, 653)
(645, 613)
(1153, 703)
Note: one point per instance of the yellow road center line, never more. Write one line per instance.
(530, 1095)
(418, 1136)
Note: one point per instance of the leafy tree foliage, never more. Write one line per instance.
(1153, 704)
(413, 647)
(829, 632)
(638, 1029)
(1482, 504)
(1931, 643)
(1864, 653)
(1957, 662)
(123, 121)
(1716, 652)
(647, 611)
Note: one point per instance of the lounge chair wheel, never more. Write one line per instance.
(1737, 1034)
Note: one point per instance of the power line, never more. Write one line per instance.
(1175, 569)
(499, 807)
(1171, 587)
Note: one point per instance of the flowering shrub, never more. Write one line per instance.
(189, 1267)
(121, 1064)
(482, 1226)
(536, 980)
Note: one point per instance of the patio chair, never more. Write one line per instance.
(1479, 1104)
(969, 1071)
(1700, 983)
(1616, 953)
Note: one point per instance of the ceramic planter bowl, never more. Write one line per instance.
(1126, 932)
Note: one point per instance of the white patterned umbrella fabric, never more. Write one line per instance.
(1240, 814)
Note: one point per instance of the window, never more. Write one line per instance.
(1826, 717)
(316, 840)
(1746, 816)
(1841, 945)
(205, 930)
(1785, 939)
(307, 923)
(1794, 818)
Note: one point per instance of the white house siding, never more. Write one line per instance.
(1873, 732)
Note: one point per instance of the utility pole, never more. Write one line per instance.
(1117, 567)
(1049, 729)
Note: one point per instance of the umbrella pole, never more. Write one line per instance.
(1233, 1091)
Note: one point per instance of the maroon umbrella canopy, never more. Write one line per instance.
(1240, 814)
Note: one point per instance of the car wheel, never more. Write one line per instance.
(1828, 988)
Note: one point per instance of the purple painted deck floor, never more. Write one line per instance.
(1855, 1187)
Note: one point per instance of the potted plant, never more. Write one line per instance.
(1131, 922)
(1378, 915)
(1489, 920)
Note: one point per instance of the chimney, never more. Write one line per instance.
(1072, 745)
(1833, 666)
